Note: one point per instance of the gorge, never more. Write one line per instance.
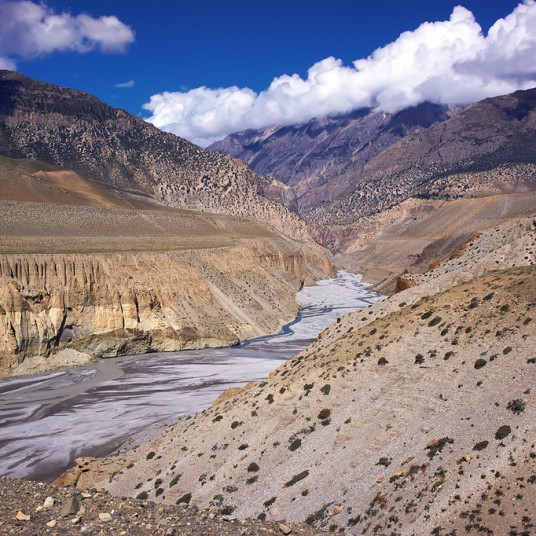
(46, 421)
(412, 415)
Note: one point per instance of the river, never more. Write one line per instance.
(48, 420)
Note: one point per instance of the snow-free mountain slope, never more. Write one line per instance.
(76, 131)
(392, 421)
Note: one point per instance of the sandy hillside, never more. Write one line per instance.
(418, 233)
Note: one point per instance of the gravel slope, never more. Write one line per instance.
(25, 510)
(400, 419)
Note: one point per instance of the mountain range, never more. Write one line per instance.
(76, 131)
(356, 165)
(380, 188)
(414, 415)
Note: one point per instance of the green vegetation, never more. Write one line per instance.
(502, 432)
(324, 414)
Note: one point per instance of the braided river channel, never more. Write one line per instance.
(48, 420)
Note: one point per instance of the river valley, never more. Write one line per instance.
(47, 421)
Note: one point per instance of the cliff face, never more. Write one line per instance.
(106, 305)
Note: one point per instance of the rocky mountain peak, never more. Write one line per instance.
(319, 158)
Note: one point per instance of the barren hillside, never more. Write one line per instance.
(417, 234)
(391, 422)
(487, 149)
(76, 131)
(319, 160)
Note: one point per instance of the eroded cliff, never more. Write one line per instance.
(78, 307)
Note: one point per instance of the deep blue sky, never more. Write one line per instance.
(182, 45)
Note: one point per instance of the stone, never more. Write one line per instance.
(284, 529)
(49, 502)
(70, 507)
(67, 479)
(23, 516)
(337, 510)
(105, 516)
(76, 520)
(52, 523)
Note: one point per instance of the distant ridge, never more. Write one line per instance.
(366, 162)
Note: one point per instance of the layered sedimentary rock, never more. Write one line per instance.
(111, 304)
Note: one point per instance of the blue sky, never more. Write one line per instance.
(180, 46)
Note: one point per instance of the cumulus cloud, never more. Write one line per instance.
(30, 30)
(447, 62)
(125, 85)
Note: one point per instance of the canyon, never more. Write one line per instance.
(413, 415)
(87, 273)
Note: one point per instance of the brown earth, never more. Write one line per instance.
(417, 234)
(33, 181)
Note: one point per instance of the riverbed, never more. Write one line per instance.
(48, 420)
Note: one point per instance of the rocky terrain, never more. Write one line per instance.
(318, 161)
(76, 131)
(31, 508)
(394, 193)
(343, 169)
(485, 150)
(417, 234)
(390, 423)
(87, 273)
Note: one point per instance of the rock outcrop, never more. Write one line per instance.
(110, 304)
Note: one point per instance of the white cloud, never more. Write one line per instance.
(447, 62)
(29, 30)
(125, 85)
(7, 64)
